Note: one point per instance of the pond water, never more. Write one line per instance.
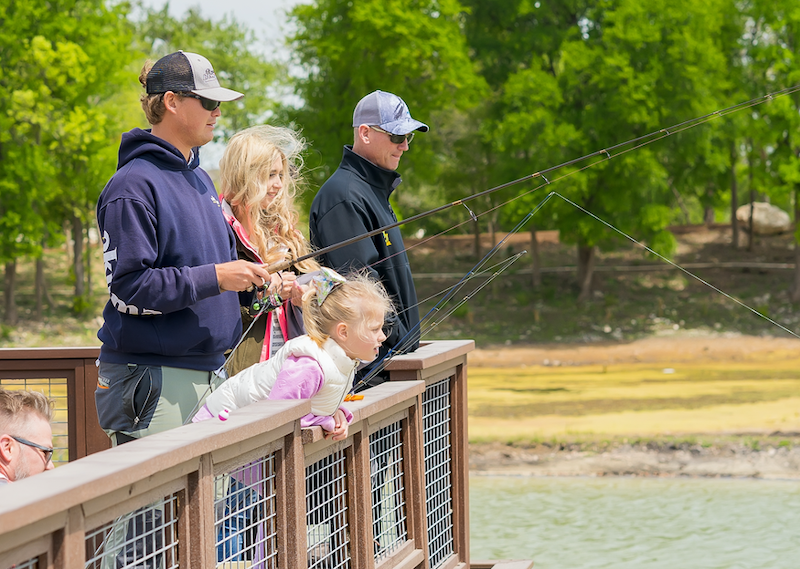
(642, 523)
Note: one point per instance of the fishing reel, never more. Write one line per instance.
(264, 302)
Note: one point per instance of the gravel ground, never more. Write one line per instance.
(729, 460)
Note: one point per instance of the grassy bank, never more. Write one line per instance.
(60, 325)
(624, 305)
(691, 402)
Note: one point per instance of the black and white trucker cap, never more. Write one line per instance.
(187, 72)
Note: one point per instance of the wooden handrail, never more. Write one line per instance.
(49, 515)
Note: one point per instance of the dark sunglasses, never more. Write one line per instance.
(48, 451)
(208, 104)
(396, 138)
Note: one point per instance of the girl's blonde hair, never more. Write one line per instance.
(353, 302)
(244, 172)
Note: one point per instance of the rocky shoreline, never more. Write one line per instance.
(732, 460)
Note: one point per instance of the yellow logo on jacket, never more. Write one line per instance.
(386, 239)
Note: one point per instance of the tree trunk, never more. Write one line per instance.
(536, 265)
(77, 256)
(476, 231)
(88, 265)
(795, 291)
(681, 205)
(734, 200)
(9, 293)
(39, 289)
(750, 169)
(586, 258)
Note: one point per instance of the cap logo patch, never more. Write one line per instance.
(209, 75)
(400, 111)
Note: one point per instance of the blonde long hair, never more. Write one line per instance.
(244, 172)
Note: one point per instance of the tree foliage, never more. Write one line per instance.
(60, 67)
(231, 48)
(349, 49)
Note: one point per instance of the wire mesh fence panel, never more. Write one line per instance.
(438, 480)
(146, 538)
(388, 489)
(29, 564)
(326, 513)
(54, 388)
(245, 509)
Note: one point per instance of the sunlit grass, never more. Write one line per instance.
(645, 400)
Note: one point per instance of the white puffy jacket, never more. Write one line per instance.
(255, 383)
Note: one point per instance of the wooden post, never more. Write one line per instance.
(360, 500)
(460, 462)
(414, 462)
(291, 484)
(196, 518)
(69, 542)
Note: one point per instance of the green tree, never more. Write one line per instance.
(598, 73)
(774, 33)
(231, 48)
(416, 50)
(58, 60)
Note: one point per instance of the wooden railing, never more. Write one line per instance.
(67, 372)
(257, 490)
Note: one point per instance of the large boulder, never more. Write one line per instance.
(767, 219)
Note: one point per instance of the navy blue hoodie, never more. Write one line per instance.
(163, 232)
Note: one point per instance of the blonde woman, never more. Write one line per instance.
(260, 176)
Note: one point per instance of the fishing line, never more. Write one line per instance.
(409, 338)
(685, 271)
(484, 273)
(221, 373)
(378, 367)
(606, 155)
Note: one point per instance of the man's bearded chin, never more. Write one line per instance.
(23, 469)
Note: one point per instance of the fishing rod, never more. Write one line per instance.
(411, 335)
(604, 153)
(377, 367)
(405, 342)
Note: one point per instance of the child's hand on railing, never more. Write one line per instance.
(339, 432)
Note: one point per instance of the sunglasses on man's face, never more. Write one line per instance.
(396, 138)
(47, 451)
(208, 104)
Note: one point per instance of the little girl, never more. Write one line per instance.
(344, 327)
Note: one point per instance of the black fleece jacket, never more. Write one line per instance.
(353, 201)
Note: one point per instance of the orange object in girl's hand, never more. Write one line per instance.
(352, 397)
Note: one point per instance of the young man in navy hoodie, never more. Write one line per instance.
(170, 259)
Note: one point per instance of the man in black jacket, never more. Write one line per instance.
(355, 200)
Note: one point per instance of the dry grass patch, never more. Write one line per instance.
(535, 403)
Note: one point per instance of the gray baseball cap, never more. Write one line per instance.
(387, 111)
(188, 72)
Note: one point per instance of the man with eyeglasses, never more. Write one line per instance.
(355, 200)
(170, 258)
(26, 439)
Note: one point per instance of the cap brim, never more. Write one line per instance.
(404, 126)
(219, 94)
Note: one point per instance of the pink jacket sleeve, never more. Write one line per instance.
(202, 415)
(302, 378)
